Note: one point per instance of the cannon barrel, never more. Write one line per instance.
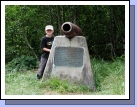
(70, 30)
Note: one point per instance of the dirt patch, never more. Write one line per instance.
(51, 93)
(35, 70)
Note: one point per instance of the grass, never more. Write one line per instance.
(109, 79)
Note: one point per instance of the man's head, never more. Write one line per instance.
(49, 30)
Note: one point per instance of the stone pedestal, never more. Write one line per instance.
(69, 59)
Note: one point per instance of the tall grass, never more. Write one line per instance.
(109, 77)
(109, 80)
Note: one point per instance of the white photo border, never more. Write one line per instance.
(126, 96)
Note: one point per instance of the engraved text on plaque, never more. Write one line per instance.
(68, 56)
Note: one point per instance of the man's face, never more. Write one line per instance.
(49, 32)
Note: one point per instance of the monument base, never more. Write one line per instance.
(69, 59)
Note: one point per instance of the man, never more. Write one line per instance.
(46, 44)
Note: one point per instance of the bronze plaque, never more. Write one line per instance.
(68, 56)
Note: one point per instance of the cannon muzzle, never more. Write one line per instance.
(70, 30)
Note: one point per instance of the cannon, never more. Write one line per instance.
(70, 30)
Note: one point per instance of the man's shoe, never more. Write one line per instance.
(38, 77)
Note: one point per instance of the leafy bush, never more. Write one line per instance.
(22, 63)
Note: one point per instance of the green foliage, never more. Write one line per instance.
(62, 86)
(102, 25)
(120, 58)
(103, 70)
(109, 79)
(22, 63)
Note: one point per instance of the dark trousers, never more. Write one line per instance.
(42, 66)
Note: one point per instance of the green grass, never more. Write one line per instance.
(109, 79)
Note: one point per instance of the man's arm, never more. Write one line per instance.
(46, 49)
(43, 43)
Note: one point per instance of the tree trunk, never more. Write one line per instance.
(59, 18)
(113, 33)
(26, 40)
(63, 13)
(50, 14)
(74, 18)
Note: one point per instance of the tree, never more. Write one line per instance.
(103, 26)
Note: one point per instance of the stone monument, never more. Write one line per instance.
(69, 57)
